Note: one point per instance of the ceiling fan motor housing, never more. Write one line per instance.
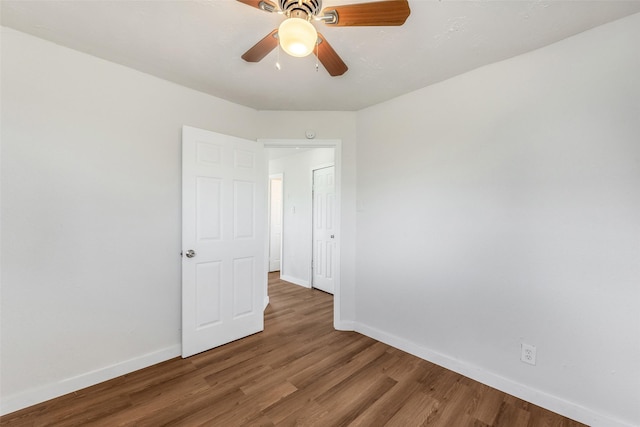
(300, 8)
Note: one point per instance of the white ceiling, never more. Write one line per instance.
(198, 44)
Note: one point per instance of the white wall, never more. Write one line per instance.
(297, 210)
(328, 125)
(503, 206)
(90, 215)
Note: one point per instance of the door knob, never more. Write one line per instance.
(191, 253)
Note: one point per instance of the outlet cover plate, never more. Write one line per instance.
(528, 354)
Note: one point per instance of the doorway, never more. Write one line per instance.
(301, 256)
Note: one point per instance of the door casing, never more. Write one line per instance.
(321, 143)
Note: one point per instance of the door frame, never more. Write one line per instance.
(336, 144)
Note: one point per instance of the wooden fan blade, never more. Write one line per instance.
(329, 58)
(262, 48)
(378, 13)
(265, 5)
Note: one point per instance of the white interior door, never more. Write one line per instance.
(223, 239)
(324, 244)
(275, 222)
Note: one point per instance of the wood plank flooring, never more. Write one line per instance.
(299, 371)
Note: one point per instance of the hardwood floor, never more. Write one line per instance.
(299, 371)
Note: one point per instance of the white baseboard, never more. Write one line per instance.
(345, 325)
(50, 391)
(522, 391)
(295, 280)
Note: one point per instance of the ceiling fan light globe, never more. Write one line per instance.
(297, 49)
(297, 36)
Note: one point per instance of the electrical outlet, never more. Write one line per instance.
(528, 354)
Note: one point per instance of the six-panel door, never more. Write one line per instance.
(223, 209)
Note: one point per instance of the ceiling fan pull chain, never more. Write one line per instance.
(278, 58)
(317, 65)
